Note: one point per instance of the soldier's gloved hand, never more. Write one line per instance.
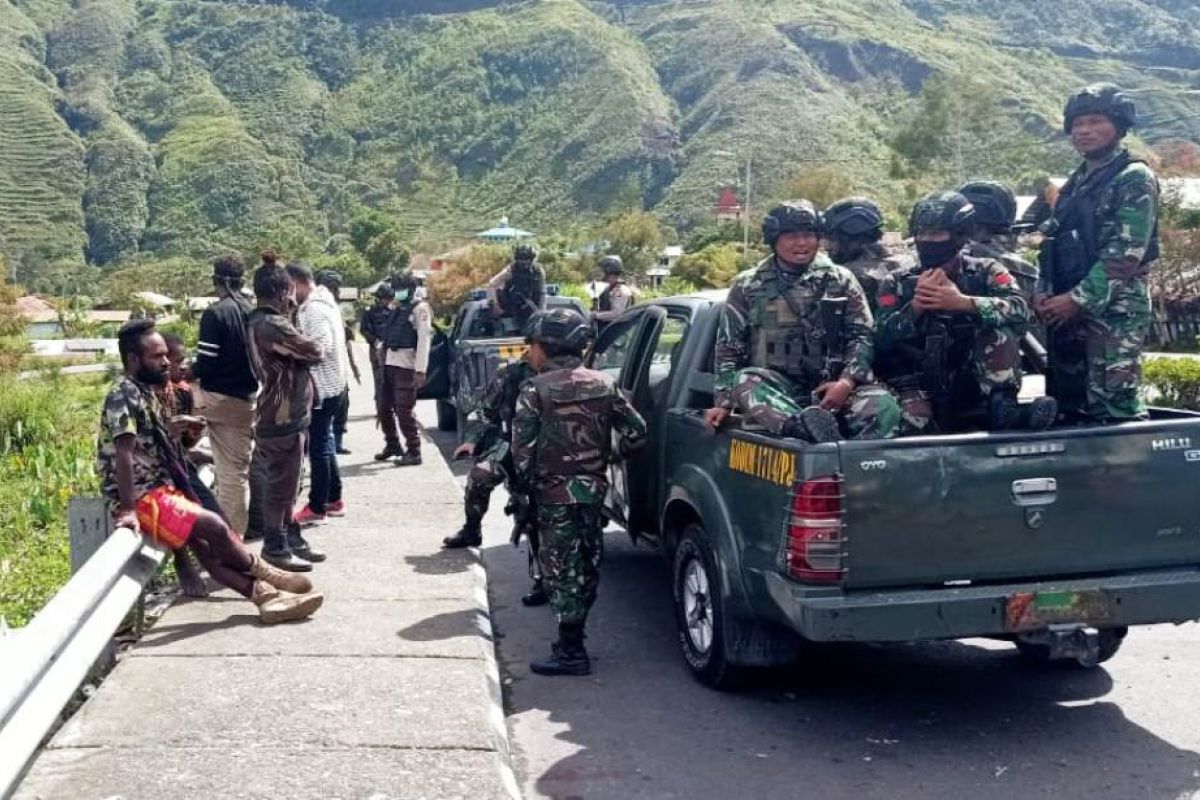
(833, 395)
(463, 450)
(714, 417)
(1058, 309)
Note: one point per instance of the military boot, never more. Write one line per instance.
(390, 450)
(814, 424)
(567, 655)
(467, 536)
(1006, 414)
(536, 596)
(410, 459)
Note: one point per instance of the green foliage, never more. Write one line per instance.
(711, 268)
(822, 185)
(47, 455)
(450, 288)
(637, 237)
(1175, 381)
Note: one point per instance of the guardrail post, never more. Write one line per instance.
(89, 524)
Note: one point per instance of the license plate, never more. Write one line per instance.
(1029, 611)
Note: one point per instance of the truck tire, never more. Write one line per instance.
(700, 617)
(447, 416)
(1108, 641)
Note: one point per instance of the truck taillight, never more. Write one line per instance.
(815, 544)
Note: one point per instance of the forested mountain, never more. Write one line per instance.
(183, 127)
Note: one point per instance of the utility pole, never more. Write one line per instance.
(746, 212)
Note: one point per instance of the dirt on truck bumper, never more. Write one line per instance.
(1141, 598)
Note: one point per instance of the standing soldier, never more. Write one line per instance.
(562, 446)
(617, 297)
(490, 444)
(519, 290)
(853, 230)
(794, 344)
(407, 340)
(1096, 259)
(949, 328)
(373, 328)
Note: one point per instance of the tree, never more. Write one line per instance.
(450, 288)
(637, 237)
(713, 267)
(821, 185)
(387, 254)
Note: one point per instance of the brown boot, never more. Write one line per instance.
(292, 582)
(275, 606)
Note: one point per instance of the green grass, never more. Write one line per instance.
(47, 456)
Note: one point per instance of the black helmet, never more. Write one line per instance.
(384, 291)
(793, 216)
(943, 211)
(524, 253)
(404, 280)
(559, 326)
(329, 278)
(995, 204)
(612, 265)
(853, 216)
(1101, 98)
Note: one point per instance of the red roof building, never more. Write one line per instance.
(728, 207)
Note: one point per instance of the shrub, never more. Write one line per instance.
(1175, 380)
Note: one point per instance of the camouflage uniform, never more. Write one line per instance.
(562, 442)
(1103, 351)
(1024, 272)
(493, 457)
(993, 357)
(770, 348)
(871, 266)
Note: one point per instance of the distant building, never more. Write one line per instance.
(503, 233)
(728, 209)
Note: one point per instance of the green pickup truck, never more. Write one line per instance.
(1057, 541)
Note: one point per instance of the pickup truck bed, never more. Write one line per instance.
(1058, 540)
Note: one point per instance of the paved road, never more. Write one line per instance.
(943, 720)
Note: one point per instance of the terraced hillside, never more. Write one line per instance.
(183, 127)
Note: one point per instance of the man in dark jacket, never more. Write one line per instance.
(225, 397)
(282, 359)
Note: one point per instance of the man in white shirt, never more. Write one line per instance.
(406, 341)
(320, 319)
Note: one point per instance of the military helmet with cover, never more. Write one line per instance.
(564, 327)
(612, 265)
(942, 211)
(792, 216)
(854, 217)
(995, 204)
(1101, 98)
(524, 254)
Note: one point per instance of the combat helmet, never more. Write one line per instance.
(1101, 98)
(944, 211)
(792, 216)
(564, 327)
(612, 265)
(853, 216)
(524, 254)
(995, 204)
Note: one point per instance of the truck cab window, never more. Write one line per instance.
(613, 350)
(662, 361)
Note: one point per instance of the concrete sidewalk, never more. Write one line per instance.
(390, 691)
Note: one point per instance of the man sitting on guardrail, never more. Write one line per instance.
(145, 480)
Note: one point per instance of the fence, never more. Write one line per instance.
(43, 664)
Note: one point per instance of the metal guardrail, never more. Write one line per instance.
(43, 664)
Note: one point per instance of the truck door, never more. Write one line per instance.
(624, 351)
(437, 377)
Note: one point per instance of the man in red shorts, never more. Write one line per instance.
(145, 480)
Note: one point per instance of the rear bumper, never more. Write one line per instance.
(951, 613)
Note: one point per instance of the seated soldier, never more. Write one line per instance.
(519, 290)
(949, 329)
(794, 345)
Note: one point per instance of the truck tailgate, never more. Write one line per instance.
(975, 507)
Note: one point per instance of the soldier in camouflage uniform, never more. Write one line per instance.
(794, 344)
(489, 443)
(853, 230)
(1100, 245)
(949, 329)
(562, 445)
(992, 235)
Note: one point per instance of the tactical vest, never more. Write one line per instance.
(796, 337)
(1071, 246)
(605, 301)
(521, 291)
(574, 433)
(944, 341)
(401, 333)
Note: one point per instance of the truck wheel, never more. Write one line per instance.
(447, 416)
(1108, 642)
(699, 612)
